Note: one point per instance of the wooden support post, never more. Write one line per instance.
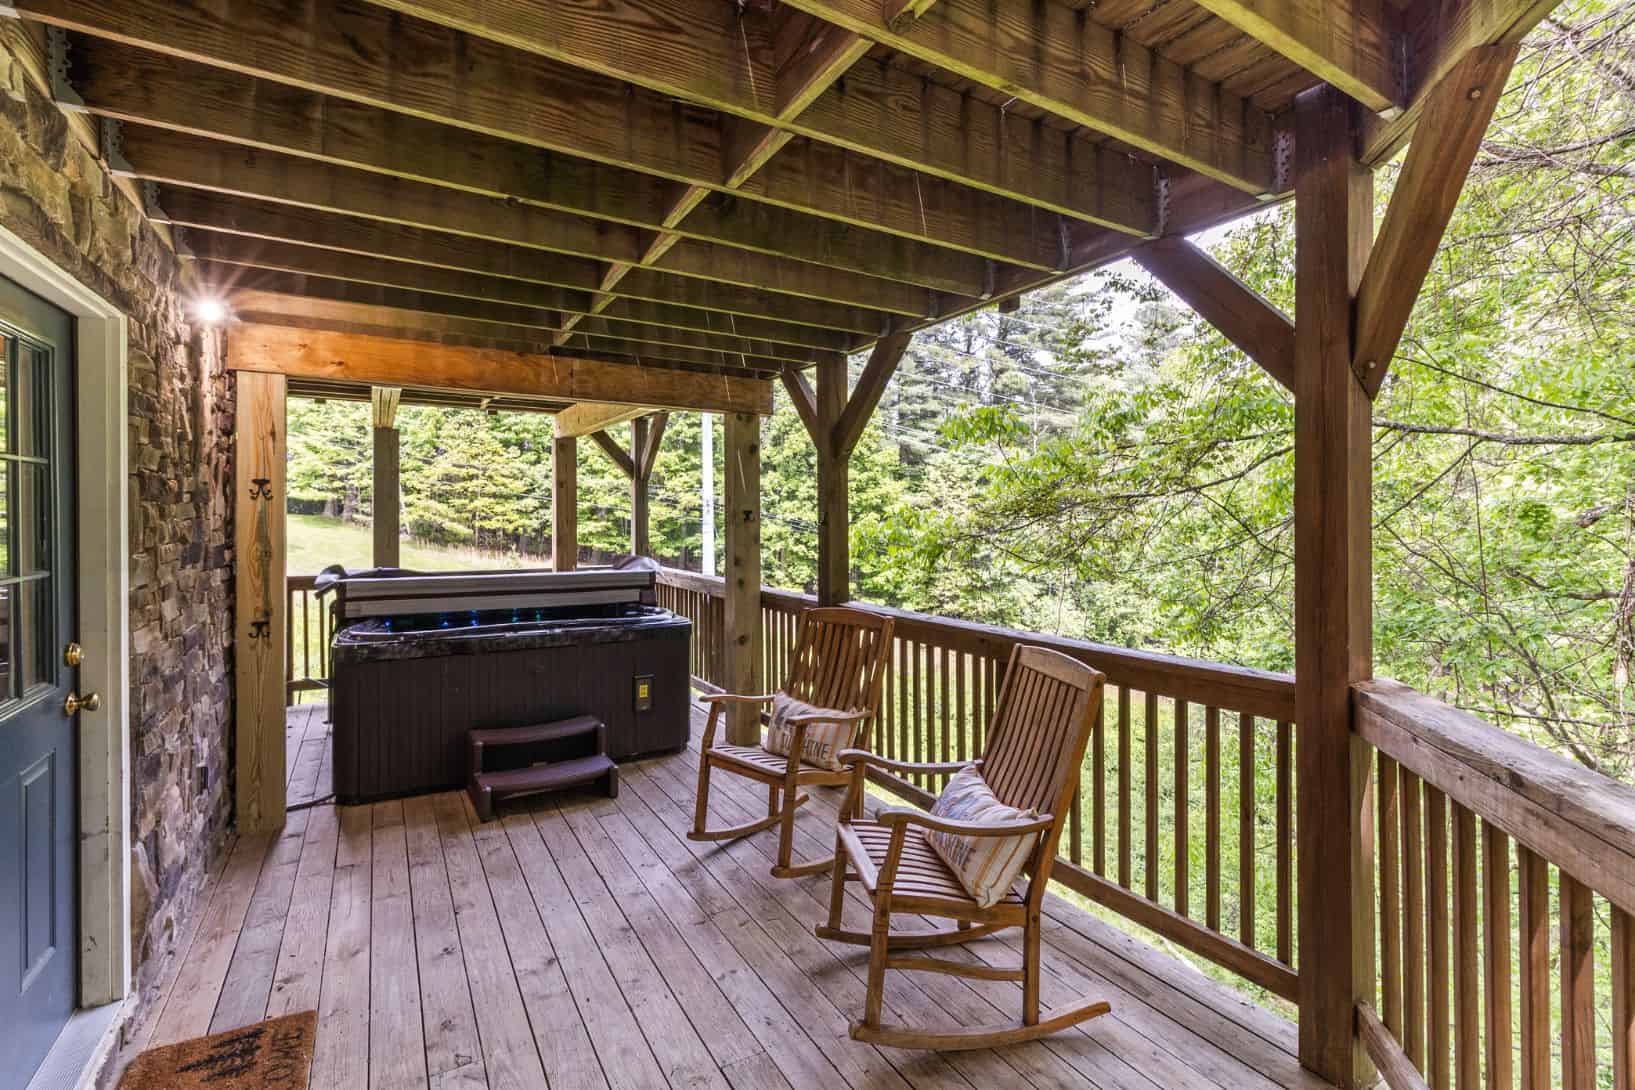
(834, 479)
(384, 497)
(836, 421)
(742, 658)
(646, 433)
(258, 659)
(1333, 590)
(641, 538)
(565, 504)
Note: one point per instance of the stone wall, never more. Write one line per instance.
(56, 195)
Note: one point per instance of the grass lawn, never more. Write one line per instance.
(315, 542)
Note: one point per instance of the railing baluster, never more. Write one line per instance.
(1577, 985)
(1390, 904)
(1285, 843)
(1150, 728)
(962, 710)
(1126, 820)
(1098, 792)
(1212, 818)
(920, 751)
(1467, 1056)
(1436, 905)
(1533, 930)
(1496, 951)
(1623, 1000)
(1183, 806)
(1413, 920)
(1246, 829)
(945, 748)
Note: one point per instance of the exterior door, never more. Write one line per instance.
(39, 893)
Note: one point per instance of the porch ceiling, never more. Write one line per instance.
(739, 187)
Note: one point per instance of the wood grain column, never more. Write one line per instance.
(741, 465)
(259, 610)
(565, 504)
(641, 537)
(834, 479)
(1333, 590)
(384, 497)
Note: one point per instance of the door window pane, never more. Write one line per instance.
(33, 625)
(32, 398)
(7, 691)
(8, 349)
(31, 515)
(7, 553)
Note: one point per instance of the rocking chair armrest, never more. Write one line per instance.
(903, 815)
(927, 768)
(736, 698)
(830, 717)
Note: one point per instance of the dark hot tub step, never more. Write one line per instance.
(487, 788)
(561, 730)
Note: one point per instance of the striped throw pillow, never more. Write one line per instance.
(823, 741)
(987, 866)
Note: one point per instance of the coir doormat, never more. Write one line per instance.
(271, 1055)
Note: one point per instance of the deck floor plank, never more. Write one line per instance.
(584, 942)
(341, 1058)
(191, 1002)
(299, 974)
(498, 978)
(397, 1043)
(453, 1049)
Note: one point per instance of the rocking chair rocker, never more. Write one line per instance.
(838, 664)
(1036, 743)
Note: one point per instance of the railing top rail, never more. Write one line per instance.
(1238, 688)
(301, 582)
(1577, 818)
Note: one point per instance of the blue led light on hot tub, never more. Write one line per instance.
(443, 622)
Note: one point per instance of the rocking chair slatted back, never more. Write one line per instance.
(1047, 709)
(839, 660)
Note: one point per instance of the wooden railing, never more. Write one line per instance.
(307, 633)
(1482, 974)
(1186, 798)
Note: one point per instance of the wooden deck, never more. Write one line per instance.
(583, 942)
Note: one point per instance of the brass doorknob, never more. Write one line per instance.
(73, 654)
(73, 704)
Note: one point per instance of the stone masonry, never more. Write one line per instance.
(56, 194)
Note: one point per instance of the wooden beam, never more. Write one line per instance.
(803, 398)
(882, 364)
(322, 227)
(1444, 34)
(610, 446)
(741, 655)
(1333, 588)
(1427, 190)
(233, 265)
(144, 88)
(259, 440)
(564, 504)
(407, 306)
(590, 417)
(181, 159)
(1052, 57)
(1241, 314)
(381, 360)
(1355, 45)
(343, 50)
(725, 57)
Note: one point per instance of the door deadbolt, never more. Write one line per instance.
(73, 654)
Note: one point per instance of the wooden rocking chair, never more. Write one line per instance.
(839, 659)
(1035, 746)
